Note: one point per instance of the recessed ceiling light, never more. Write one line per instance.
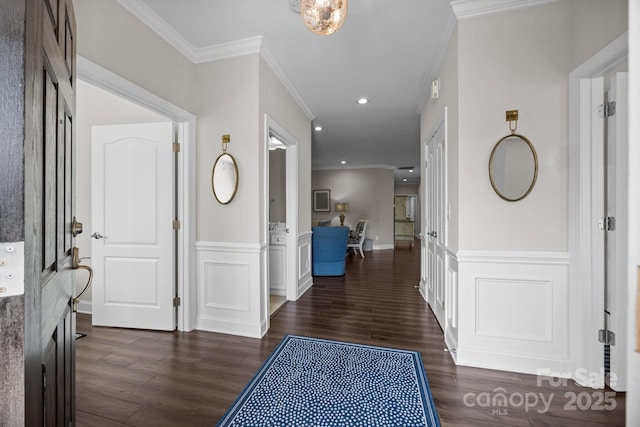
(362, 101)
(405, 180)
(318, 128)
(410, 170)
(344, 162)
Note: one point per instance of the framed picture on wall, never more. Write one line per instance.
(321, 200)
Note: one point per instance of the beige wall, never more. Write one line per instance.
(521, 60)
(112, 37)
(432, 115)
(369, 192)
(278, 103)
(227, 103)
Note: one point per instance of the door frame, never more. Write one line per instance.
(99, 76)
(291, 142)
(584, 300)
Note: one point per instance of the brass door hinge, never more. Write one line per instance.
(176, 224)
(176, 147)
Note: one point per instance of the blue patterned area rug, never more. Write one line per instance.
(314, 382)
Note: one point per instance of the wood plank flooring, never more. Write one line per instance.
(146, 378)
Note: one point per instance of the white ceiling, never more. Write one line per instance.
(387, 51)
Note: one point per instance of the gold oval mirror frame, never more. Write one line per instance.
(224, 178)
(513, 167)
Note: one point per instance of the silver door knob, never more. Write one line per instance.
(97, 235)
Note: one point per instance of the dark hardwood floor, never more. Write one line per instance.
(146, 378)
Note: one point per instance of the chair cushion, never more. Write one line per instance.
(354, 237)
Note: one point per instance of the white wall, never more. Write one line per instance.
(369, 192)
(94, 107)
(633, 356)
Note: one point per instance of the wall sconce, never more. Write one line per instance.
(342, 207)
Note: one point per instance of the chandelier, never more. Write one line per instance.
(323, 17)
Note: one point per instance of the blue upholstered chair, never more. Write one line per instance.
(328, 250)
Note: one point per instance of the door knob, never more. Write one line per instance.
(76, 227)
(97, 235)
(434, 234)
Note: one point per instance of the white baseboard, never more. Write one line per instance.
(383, 247)
(85, 307)
(226, 326)
(511, 362)
(305, 285)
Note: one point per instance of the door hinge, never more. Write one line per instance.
(176, 147)
(607, 109)
(44, 377)
(611, 223)
(176, 302)
(176, 224)
(606, 337)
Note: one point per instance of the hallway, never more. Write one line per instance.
(142, 378)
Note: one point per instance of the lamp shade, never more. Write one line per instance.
(342, 207)
(323, 17)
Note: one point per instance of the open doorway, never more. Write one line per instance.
(143, 106)
(284, 233)
(598, 188)
(277, 223)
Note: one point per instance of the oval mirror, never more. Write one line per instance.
(224, 178)
(513, 167)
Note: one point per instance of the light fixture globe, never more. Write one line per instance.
(323, 17)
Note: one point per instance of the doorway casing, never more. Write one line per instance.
(98, 76)
(586, 295)
(271, 126)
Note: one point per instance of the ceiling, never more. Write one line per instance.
(386, 51)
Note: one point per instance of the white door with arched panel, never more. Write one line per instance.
(435, 200)
(132, 198)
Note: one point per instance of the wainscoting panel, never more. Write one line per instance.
(305, 280)
(513, 311)
(513, 308)
(451, 304)
(230, 288)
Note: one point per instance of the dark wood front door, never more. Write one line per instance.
(49, 205)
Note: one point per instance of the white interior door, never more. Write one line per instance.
(617, 238)
(132, 195)
(435, 225)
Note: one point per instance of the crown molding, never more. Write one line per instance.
(216, 52)
(272, 62)
(465, 9)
